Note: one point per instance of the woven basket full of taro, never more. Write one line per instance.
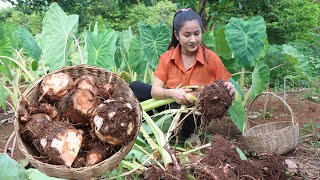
(77, 122)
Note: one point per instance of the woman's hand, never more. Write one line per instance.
(180, 95)
(230, 88)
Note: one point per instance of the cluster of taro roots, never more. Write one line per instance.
(76, 122)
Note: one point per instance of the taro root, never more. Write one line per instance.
(58, 141)
(26, 109)
(23, 113)
(214, 101)
(105, 91)
(114, 122)
(77, 107)
(80, 161)
(88, 82)
(97, 153)
(55, 86)
(47, 108)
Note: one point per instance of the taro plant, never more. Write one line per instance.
(19, 57)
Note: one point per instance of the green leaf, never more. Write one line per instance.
(35, 174)
(241, 154)
(139, 141)
(209, 40)
(237, 87)
(237, 114)
(246, 39)
(101, 48)
(125, 38)
(11, 169)
(55, 37)
(154, 41)
(298, 61)
(28, 43)
(260, 78)
(3, 97)
(5, 47)
(134, 154)
(232, 65)
(136, 59)
(5, 70)
(123, 44)
(8, 31)
(222, 47)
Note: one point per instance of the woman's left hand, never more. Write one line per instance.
(230, 88)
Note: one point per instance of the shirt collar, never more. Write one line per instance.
(198, 57)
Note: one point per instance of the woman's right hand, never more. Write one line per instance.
(180, 95)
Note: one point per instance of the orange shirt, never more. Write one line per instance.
(206, 68)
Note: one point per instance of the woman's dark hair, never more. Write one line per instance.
(179, 19)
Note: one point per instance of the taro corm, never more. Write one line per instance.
(77, 121)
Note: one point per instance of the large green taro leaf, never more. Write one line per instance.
(136, 59)
(5, 46)
(125, 38)
(154, 41)
(5, 42)
(209, 40)
(246, 39)
(123, 45)
(298, 61)
(260, 78)
(28, 43)
(56, 36)
(237, 115)
(222, 46)
(11, 169)
(101, 48)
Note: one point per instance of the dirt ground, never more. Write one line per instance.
(306, 112)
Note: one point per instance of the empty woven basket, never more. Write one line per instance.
(121, 89)
(275, 137)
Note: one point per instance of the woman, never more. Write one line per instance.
(187, 62)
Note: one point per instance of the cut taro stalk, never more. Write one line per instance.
(78, 107)
(58, 141)
(114, 122)
(55, 86)
(214, 101)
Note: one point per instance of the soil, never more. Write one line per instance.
(214, 101)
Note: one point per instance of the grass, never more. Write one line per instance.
(311, 130)
(312, 94)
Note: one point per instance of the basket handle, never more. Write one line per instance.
(246, 123)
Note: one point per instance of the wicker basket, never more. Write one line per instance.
(276, 137)
(121, 89)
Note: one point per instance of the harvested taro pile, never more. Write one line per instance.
(214, 101)
(223, 162)
(77, 122)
